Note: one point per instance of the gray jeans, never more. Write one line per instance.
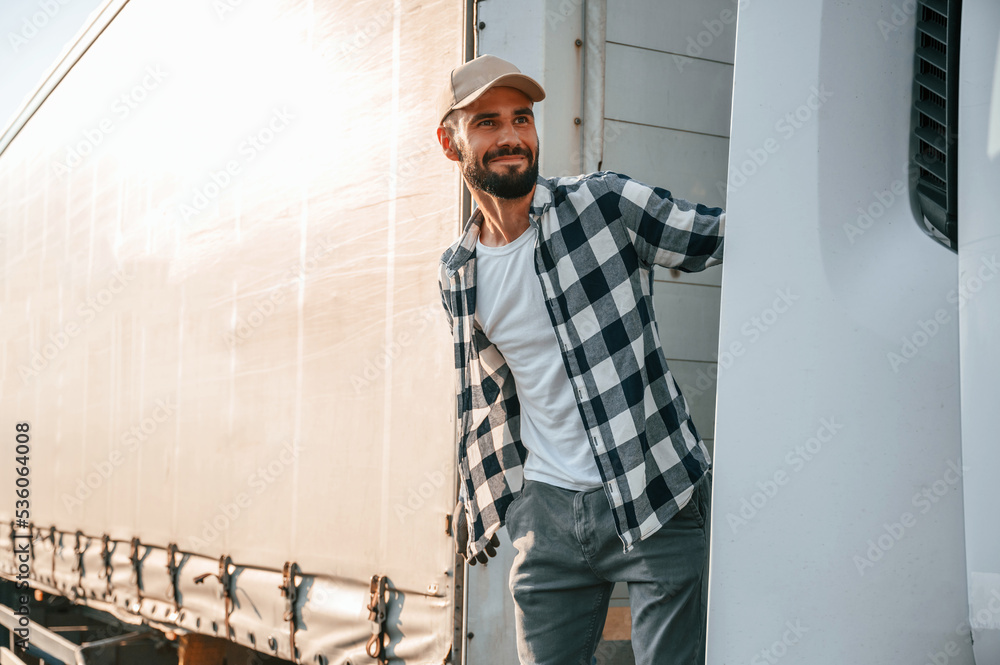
(568, 558)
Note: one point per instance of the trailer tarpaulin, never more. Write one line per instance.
(222, 324)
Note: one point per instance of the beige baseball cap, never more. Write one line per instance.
(468, 82)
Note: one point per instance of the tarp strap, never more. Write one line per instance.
(78, 549)
(52, 537)
(106, 551)
(290, 592)
(172, 577)
(376, 614)
(136, 573)
(226, 581)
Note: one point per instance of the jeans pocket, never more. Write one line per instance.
(698, 503)
(705, 498)
(518, 498)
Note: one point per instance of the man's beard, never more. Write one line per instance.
(504, 185)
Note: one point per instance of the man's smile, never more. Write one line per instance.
(507, 159)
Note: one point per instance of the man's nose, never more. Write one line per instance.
(508, 135)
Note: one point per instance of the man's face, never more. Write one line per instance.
(496, 144)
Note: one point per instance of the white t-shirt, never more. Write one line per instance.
(511, 311)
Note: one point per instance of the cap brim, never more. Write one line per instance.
(525, 84)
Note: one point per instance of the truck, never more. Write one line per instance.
(227, 385)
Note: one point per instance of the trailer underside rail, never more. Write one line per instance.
(54, 646)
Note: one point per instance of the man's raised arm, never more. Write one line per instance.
(665, 230)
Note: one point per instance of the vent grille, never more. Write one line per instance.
(934, 141)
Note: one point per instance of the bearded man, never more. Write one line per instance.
(573, 432)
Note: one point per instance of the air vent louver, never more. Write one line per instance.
(934, 138)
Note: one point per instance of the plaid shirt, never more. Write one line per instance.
(598, 237)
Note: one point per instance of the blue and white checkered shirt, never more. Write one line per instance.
(598, 237)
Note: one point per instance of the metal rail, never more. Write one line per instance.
(7, 657)
(52, 644)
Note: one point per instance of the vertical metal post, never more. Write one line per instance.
(461, 590)
(8, 597)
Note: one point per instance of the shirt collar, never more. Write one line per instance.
(466, 245)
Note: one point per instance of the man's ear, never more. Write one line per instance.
(447, 143)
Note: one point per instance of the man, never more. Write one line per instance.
(562, 384)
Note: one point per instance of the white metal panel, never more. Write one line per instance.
(823, 442)
(651, 88)
(692, 166)
(704, 29)
(711, 276)
(540, 39)
(595, 46)
(979, 312)
(697, 383)
(687, 316)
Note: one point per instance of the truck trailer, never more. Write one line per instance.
(227, 383)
